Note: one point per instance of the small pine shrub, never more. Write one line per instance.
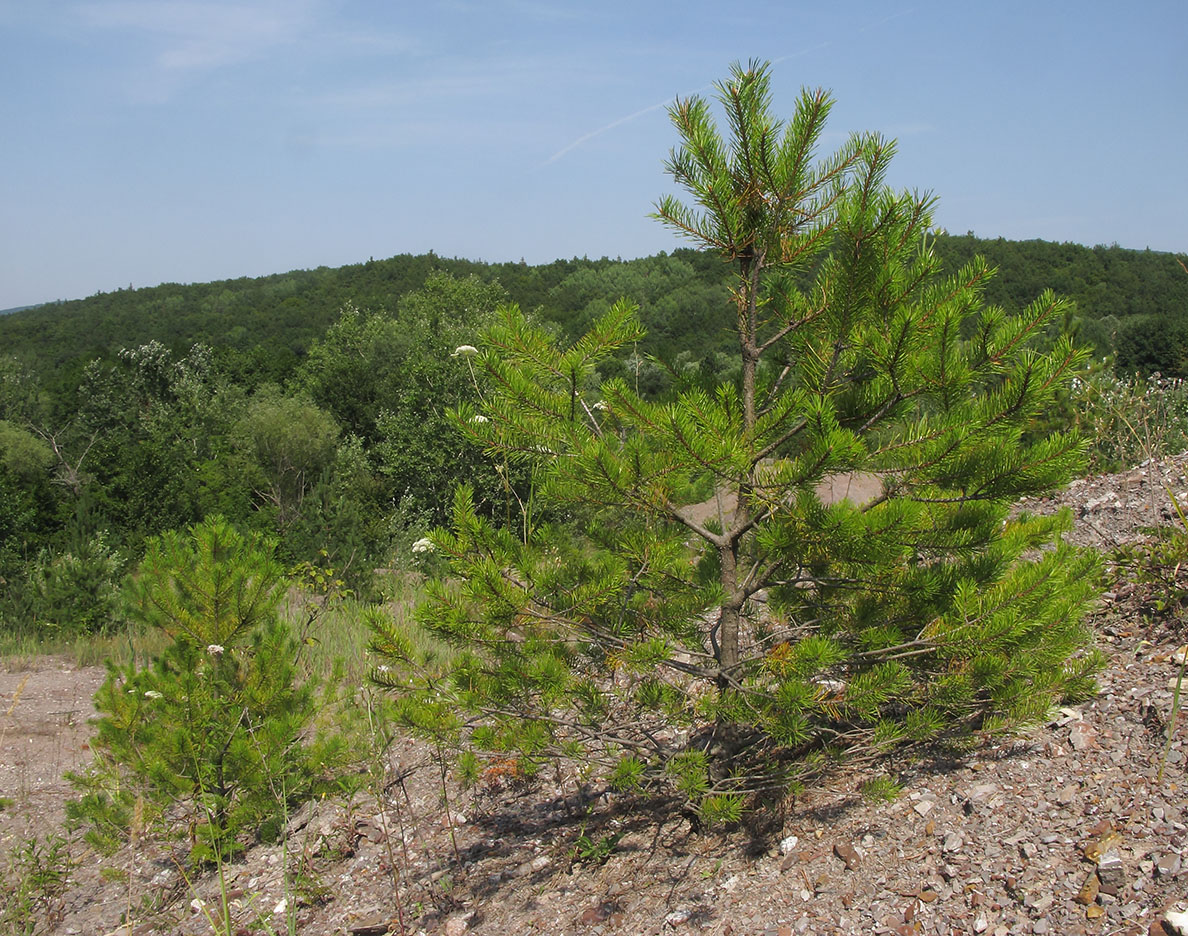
(733, 650)
(213, 732)
(78, 591)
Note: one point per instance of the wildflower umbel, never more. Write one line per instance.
(423, 545)
(465, 351)
(214, 649)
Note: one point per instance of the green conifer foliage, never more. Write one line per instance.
(736, 644)
(212, 735)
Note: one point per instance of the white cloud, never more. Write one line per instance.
(192, 35)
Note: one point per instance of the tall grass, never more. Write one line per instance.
(1130, 420)
(334, 633)
(21, 650)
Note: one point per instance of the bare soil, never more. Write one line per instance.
(1065, 830)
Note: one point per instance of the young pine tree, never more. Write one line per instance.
(213, 736)
(735, 645)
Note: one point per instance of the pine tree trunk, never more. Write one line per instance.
(728, 617)
(750, 265)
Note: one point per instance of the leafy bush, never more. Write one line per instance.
(33, 881)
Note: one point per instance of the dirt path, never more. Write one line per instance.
(44, 708)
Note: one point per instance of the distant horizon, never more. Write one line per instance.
(618, 257)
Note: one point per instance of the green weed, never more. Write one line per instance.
(32, 884)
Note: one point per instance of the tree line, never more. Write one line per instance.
(1130, 303)
(311, 405)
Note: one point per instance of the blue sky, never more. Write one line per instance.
(148, 141)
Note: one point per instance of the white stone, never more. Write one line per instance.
(457, 925)
(1080, 736)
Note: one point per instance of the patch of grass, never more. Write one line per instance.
(335, 633)
(21, 651)
(333, 630)
(18, 653)
(33, 879)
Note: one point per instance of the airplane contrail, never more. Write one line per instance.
(647, 110)
(593, 133)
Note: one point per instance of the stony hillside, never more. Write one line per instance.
(1069, 829)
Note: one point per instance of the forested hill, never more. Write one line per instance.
(313, 406)
(263, 326)
(1134, 302)
(1131, 302)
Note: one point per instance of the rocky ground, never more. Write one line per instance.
(1067, 830)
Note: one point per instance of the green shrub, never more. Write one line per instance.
(213, 732)
(33, 879)
(734, 648)
(78, 591)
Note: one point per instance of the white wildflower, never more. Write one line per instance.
(479, 418)
(599, 406)
(423, 545)
(215, 649)
(465, 351)
(153, 694)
